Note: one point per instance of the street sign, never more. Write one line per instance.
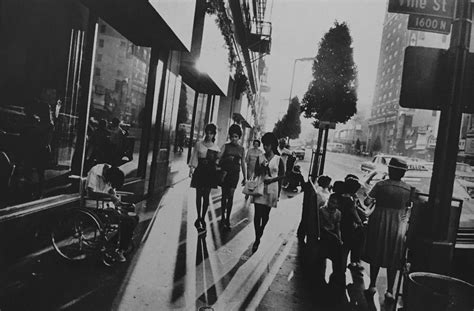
(327, 124)
(440, 8)
(425, 80)
(429, 23)
(422, 78)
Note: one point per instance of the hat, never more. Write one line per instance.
(398, 164)
(297, 168)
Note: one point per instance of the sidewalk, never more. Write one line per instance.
(293, 289)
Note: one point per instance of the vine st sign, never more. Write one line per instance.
(426, 15)
(437, 8)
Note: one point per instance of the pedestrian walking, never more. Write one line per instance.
(232, 161)
(387, 225)
(251, 158)
(202, 169)
(272, 168)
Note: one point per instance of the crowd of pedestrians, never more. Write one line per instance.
(356, 226)
(352, 225)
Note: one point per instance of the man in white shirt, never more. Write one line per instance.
(102, 180)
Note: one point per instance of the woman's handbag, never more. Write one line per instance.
(254, 187)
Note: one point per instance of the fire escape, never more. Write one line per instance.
(260, 31)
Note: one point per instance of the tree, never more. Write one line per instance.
(183, 113)
(377, 145)
(331, 95)
(290, 124)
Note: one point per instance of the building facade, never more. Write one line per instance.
(74, 69)
(392, 128)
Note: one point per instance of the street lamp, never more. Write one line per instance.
(303, 59)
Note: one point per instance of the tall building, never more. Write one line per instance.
(395, 129)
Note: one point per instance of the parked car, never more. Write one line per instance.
(421, 179)
(335, 147)
(298, 151)
(380, 163)
(463, 170)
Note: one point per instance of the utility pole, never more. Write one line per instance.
(443, 220)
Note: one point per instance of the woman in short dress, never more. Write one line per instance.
(203, 171)
(272, 168)
(232, 161)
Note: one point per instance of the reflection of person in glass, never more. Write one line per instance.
(36, 139)
(117, 140)
(202, 170)
(99, 148)
(232, 161)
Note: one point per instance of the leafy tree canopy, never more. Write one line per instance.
(331, 95)
(290, 124)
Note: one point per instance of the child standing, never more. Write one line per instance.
(331, 243)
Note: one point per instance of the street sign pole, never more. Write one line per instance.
(441, 187)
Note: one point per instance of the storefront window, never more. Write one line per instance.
(119, 89)
(42, 59)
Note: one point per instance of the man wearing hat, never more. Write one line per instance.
(387, 225)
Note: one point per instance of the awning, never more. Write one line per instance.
(138, 21)
(237, 117)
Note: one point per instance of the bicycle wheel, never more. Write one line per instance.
(77, 235)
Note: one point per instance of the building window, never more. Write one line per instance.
(97, 71)
(99, 57)
(122, 98)
(103, 28)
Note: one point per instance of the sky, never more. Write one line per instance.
(299, 25)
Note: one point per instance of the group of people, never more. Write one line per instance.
(370, 227)
(211, 166)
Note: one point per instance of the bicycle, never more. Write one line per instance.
(85, 232)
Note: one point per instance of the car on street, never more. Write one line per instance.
(298, 152)
(335, 147)
(421, 179)
(380, 163)
(463, 170)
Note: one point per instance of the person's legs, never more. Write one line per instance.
(127, 225)
(374, 273)
(265, 217)
(391, 274)
(205, 205)
(225, 191)
(257, 220)
(258, 224)
(198, 207)
(230, 202)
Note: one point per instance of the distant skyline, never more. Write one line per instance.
(298, 27)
